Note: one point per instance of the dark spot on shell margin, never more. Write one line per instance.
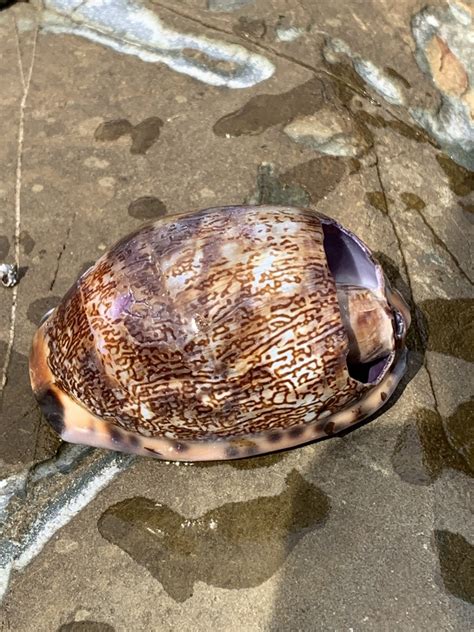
(52, 409)
(115, 435)
(133, 440)
(231, 452)
(179, 446)
(250, 450)
(329, 428)
(296, 432)
(274, 436)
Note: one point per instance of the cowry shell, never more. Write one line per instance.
(221, 334)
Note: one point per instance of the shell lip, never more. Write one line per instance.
(46, 315)
(401, 314)
(40, 373)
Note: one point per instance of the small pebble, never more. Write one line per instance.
(9, 274)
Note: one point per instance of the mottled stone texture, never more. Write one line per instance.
(378, 103)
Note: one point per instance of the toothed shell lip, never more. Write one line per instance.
(401, 313)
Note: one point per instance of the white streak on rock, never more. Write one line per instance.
(60, 509)
(129, 27)
(379, 81)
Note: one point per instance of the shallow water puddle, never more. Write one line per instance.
(237, 545)
(266, 110)
(432, 444)
(457, 339)
(143, 135)
(456, 561)
(461, 180)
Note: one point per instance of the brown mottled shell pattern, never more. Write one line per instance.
(217, 325)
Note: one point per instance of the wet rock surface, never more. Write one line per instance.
(283, 103)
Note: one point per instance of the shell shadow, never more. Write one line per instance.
(352, 566)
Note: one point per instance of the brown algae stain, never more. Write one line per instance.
(400, 127)
(377, 200)
(450, 325)
(113, 130)
(319, 176)
(266, 110)
(146, 208)
(143, 135)
(250, 28)
(237, 545)
(26, 242)
(412, 201)
(468, 211)
(456, 562)
(271, 190)
(347, 83)
(433, 443)
(461, 180)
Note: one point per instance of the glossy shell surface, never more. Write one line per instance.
(214, 335)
